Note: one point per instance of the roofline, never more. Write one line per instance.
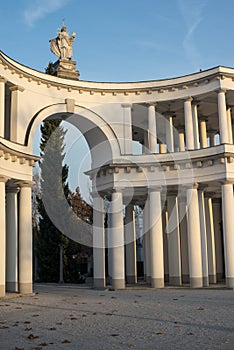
(118, 85)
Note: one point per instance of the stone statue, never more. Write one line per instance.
(62, 45)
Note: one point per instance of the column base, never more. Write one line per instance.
(230, 282)
(2, 290)
(25, 288)
(118, 284)
(12, 287)
(157, 282)
(212, 279)
(166, 278)
(205, 281)
(131, 279)
(99, 283)
(220, 276)
(175, 280)
(185, 279)
(196, 282)
(148, 279)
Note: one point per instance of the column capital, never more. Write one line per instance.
(16, 88)
(152, 104)
(227, 182)
(180, 128)
(25, 183)
(117, 190)
(168, 114)
(212, 131)
(221, 90)
(209, 194)
(193, 186)
(203, 119)
(155, 189)
(202, 187)
(4, 178)
(126, 105)
(12, 189)
(2, 79)
(188, 99)
(196, 102)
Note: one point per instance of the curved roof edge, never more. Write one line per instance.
(27, 71)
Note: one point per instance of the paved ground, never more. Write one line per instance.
(78, 317)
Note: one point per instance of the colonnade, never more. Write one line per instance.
(182, 240)
(192, 133)
(16, 236)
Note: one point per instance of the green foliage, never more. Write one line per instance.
(54, 187)
(49, 237)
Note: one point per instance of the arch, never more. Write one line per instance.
(99, 135)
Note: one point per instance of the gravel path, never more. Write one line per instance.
(78, 317)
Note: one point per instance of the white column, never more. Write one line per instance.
(109, 240)
(194, 238)
(152, 126)
(156, 239)
(25, 237)
(228, 237)
(147, 243)
(222, 111)
(218, 239)
(2, 106)
(188, 124)
(181, 139)
(173, 237)
(130, 241)
(212, 134)
(14, 111)
(169, 133)
(127, 127)
(195, 125)
(12, 239)
(210, 240)
(117, 241)
(3, 180)
(99, 274)
(204, 252)
(203, 132)
(184, 240)
(165, 245)
(162, 148)
(229, 120)
(145, 148)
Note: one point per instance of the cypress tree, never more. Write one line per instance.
(55, 183)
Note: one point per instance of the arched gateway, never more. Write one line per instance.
(183, 177)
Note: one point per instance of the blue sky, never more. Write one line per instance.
(120, 40)
(123, 40)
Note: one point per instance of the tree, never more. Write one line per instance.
(48, 236)
(54, 187)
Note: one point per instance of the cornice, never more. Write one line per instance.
(184, 83)
(15, 156)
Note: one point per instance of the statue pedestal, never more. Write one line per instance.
(66, 69)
